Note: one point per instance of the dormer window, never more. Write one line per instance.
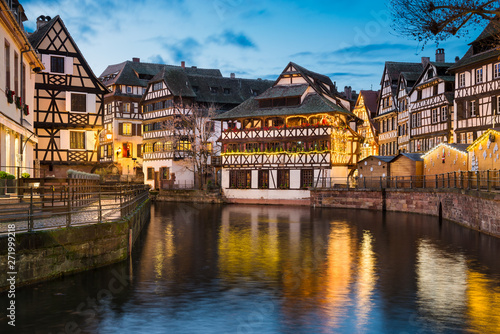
(157, 86)
(227, 91)
(430, 74)
(254, 92)
(129, 90)
(213, 90)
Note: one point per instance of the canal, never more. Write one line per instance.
(270, 269)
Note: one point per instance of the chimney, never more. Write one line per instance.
(348, 92)
(457, 58)
(41, 21)
(440, 56)
(233, 76)
(425, 61)
(136, 60)
(183, 64)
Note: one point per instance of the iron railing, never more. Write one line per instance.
(488, 180)
(54, 205)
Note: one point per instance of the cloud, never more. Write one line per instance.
(229, 37)
(156, 59)
(346, 74)
(185, 49)
(366, 50)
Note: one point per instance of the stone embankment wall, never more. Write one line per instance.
(195, 196)
(47, 254)
(476, 210)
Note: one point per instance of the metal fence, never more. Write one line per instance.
(56, 204)
(488, 180)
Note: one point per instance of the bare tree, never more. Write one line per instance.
(428, 20)
(191, 135)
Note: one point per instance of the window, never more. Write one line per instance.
(463, 138)
(184, 145)
(435, 90)
(77, 140)
(57, 64)
(444, 114)
(227, 91)
(240, 179)
(78, 102)
(157, 86)
(16, 72)
(151, 173)
(208, 147)
(472, 109)
(479, 75)
(306, 178)
(126, 107)
(129, 90)
(283, 179)
(263, 179)
(461, 80)
(213, 90)
(496, 71)
(435, 115)
(419, 95)
(158, 147)
(165, 173)
(498, 104)
(110, 108)
(148, 147)
(254, 92)
(7, 65)
(127, 129)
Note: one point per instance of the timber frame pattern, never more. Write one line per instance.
(55, 117)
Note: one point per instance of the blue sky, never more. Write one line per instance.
(347, 40)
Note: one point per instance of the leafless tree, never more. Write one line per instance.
(428, 20)
(191, 135)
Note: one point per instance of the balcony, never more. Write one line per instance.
(281, 132)
(281, 159)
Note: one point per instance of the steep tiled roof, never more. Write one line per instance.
(370, 98)
(36, 37)
(283, 91)
(312, 104)
(395, 68)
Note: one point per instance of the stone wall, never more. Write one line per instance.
(47, 254)
(476, 210)
(195, 196)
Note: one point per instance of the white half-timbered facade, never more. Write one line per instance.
(278, 144)
(388, 104)
(121, 141)
(431, 106)
(18, 63)
(477, 87)
(68, 102)
(168, 161)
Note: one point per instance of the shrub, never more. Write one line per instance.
(25, 175)
(3, 175)
(10, 177)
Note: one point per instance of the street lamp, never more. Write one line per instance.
(109, 136)
(118, 151)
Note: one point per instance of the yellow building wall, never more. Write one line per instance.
(453, 161)
(486, 152)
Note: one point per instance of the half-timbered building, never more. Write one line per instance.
(366, 109)
(175, 90)
(387, 109)
(406, 82)
(278, 144)
(477, 87)
(18, 63)
(121, 140)
(431, 105)
(68, 102)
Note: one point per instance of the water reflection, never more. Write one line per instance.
(251, 269)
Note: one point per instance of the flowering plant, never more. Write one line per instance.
(18, 102)
(26, 110)
(10, 95)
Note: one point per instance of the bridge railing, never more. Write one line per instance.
(58, 204)
(488, 180)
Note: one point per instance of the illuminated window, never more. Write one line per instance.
(126, 107)
(184, 145)
(77, 140)
(127, 150)
(240, 179)
(127, 129)
(158, 147)
(283, 178)
(148, 148)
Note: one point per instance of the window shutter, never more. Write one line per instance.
(120, 129)
(139, 129)
(494, 106)
(134, 129)
(139, 150)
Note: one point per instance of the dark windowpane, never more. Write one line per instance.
(57, 64)
(78, 102)
(306, 178)
(283, 178)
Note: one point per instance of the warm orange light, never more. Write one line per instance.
(109, 136)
